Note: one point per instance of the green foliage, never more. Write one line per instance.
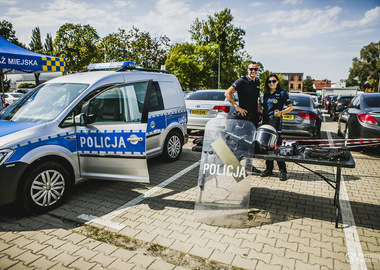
(219, 29)
(365, 71)
(7, 32)
(27, 85)
(146, 51)
(136, 46)
(48, 46)
(186, 65)
(78, 44)
(36, 44)
(308, 84)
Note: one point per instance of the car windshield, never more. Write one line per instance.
(372, 100)
(44, 103)
(300, 101)
(207, 95)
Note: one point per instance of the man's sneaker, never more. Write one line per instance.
(255, 170)
(266, 173)
(283, 176)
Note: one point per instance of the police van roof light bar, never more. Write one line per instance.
(111, 65)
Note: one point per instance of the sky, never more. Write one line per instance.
(316, 37)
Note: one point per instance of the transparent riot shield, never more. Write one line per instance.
(223, 185)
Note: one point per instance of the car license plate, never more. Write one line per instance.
(203, 112)
(287, 117)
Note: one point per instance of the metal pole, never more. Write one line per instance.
(219, 69)
(2, 86)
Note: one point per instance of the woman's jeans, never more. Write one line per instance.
(276, 123)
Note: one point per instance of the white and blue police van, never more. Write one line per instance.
(102, 123)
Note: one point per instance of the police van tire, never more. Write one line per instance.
(173, 146)
(46, 187)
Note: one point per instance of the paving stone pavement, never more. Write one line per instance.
(293, 229)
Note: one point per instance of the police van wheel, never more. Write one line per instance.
(173, 146)
(45, 187)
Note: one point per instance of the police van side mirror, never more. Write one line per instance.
(80, 119)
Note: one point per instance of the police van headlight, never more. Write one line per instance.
(5, 154)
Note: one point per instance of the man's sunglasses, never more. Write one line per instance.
(270, 81)
(253, 69)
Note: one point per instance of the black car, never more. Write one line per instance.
(339, 104)
(361, 119)
(305, 119)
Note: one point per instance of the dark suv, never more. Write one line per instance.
(338, 105)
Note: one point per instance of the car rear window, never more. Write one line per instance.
(345, 100)
(219, 96)
(300, 101)
(372, 100)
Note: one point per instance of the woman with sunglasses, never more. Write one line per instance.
(275, 99)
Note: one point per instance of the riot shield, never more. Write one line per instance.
(223, 186)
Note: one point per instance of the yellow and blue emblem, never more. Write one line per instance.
(53, 63)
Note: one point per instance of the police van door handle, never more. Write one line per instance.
(73, 137)
(133, 139)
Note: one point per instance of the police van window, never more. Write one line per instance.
(122, 103)
(171, 94)
(69, 119)
(155, 102)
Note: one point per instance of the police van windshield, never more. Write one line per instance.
(44, 103)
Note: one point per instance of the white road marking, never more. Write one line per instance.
(354, 249)
(106, 219)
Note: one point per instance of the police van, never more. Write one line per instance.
(102, 123)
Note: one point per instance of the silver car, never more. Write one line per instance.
(204, 105)
(304, 120)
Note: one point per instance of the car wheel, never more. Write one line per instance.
(173, 146)
(45, 187)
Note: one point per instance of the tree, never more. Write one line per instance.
(136, 46)
(146, 51)
(308, 85)
(78, 44)
(36, 44)
(48, 46)
(184, 64)
(365, 71)
(7, 32)
(114, 47)
(219, 29)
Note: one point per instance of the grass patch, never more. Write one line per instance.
(174, 257)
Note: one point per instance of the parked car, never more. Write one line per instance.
(317, 104)
(339, 104)
(305, 119)
(204, 105)
(11, 97)
(327, 100)
(100, 124)
(24, 90)
(361, 119)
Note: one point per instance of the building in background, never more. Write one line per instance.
(295, 81)
(320, 84)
